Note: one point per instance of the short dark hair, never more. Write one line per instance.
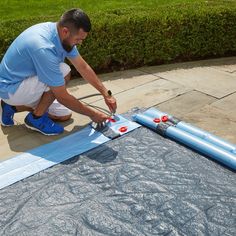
(75, 19)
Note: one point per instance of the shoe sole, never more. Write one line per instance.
(1, 117)
(35, 129)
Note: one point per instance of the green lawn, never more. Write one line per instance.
(17, 9)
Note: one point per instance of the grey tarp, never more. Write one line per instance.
(138, 184)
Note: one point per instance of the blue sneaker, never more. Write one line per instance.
(6, 112)
(43, 124)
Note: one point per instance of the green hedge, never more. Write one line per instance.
(129, 38)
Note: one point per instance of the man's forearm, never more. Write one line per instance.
(72, 103)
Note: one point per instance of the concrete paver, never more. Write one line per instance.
(186, 103)
(117, 82)
(227, 104)
(147, 95)
(202, 93)
(204, 79)
(226, 68)
(219, 63)
(214, 120)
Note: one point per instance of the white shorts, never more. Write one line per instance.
(31, 90)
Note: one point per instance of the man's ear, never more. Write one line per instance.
(65, 32)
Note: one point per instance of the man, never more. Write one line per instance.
(33, 74)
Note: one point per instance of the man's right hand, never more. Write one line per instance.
(99, 117)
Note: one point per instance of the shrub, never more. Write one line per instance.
(126, 38)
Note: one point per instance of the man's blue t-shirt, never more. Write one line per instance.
(36, 51)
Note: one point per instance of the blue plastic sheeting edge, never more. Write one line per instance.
(193, 137)
(45, 156)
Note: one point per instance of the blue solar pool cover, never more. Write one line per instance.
(137, 184)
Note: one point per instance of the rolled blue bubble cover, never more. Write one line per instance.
(193, 137)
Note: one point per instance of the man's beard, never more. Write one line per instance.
(66, 46)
